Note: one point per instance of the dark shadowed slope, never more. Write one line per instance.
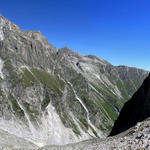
(135, 110)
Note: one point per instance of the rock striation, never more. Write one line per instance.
(50, 96)
(131, 130)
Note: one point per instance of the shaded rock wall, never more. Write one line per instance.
(135, 110)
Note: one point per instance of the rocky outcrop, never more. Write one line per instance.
(135, 110)
(51, 96)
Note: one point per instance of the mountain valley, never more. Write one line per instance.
(57, 97)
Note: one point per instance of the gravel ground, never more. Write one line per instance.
(136, 138)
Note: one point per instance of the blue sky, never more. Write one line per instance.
(115, 30)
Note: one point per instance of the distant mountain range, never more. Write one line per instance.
(50, 96)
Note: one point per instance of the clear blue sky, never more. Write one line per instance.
(115, 30)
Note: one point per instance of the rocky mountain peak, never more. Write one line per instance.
(6, 27)
(37, 35)
(68, 52)
(135, 110)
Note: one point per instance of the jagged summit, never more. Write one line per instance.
(6, 27)
(67, 51)
(9, 29)
(135, 110)
(37, 35)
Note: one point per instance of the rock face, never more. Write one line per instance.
(135, 110)
(51, 96)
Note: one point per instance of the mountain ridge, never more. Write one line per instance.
(49, 93)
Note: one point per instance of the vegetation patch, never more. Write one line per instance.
(75, 128)
(110, 110)
(33, 113)
(90, 104)
(27, 78)
(13, 76)
(123, 90)
(110, 101)
(130, 87)
(94, 132)
(1, 79)
(49, 80)
(1, 92)
(105, 127)
(15, 106)
(45, 101)
(84, 122)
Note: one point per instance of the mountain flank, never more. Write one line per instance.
(51, 96)
(135, 110)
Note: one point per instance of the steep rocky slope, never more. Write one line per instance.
(135, 110)
(51, 96)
